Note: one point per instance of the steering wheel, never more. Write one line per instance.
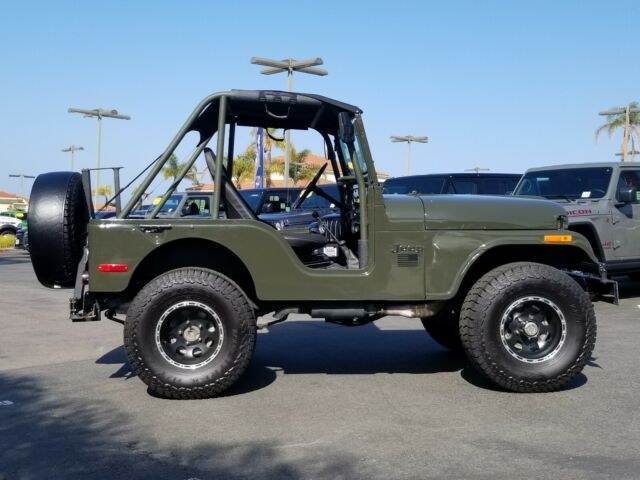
(311, 186)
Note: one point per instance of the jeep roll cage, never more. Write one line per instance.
(348, 152)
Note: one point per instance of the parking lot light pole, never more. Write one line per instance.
(99, 113)
(72, 149)
(409, 139)
(625, 138)
(289, 65)
(21, 176)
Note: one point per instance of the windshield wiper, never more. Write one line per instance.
(565, 197)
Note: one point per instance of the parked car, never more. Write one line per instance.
(437, 183)
(456, 183)
(602, 203)
(270, 200)
(181, 204)
(9, 225)
(300, 216)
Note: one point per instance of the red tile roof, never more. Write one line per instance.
(12, 195)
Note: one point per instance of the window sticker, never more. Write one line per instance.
(638, 196)
(585, 195)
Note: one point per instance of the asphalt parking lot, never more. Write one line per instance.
(319, 401)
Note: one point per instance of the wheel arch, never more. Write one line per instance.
(8, 228)
(558, 256)
(192, 252)
(589, 231)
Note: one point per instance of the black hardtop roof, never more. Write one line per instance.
(261, 95)
(274, 109)
(458, 175)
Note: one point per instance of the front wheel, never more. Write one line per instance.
(190, 333)
(528, 327)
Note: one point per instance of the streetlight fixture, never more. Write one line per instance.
(409, 139)
(477, 169)
(72, 149)
(99, 113)
(21, 176)
(289, 65)
(625, 138)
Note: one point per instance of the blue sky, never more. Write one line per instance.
(504, 85)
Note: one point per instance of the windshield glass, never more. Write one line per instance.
(357, 156)
(252, 197)
(316, 201)
(415, 185)
(171, 204)
(570, 184)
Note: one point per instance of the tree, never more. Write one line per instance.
(298, 169)
(618, 120)
(243, 166)
(106, 192)
(173, 167)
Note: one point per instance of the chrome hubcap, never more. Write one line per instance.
(189, 334)
(533, 329)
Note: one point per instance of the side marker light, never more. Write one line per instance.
(558, 238)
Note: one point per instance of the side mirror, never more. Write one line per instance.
(627, 194)
(346, 132)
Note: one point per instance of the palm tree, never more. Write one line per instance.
(619, 120)
(299, 169)
(243, 166)
(106, 192)
(173, 167)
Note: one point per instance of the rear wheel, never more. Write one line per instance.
(190, 333)
(528, 327)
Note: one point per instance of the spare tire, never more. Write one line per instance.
(58, 219)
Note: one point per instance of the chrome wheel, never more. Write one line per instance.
(189, 335)
(533, 329)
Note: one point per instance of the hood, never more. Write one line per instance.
(484, 212)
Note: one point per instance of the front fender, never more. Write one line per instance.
(455, 253)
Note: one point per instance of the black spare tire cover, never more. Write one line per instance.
(58, 218)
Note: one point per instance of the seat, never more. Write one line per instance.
(193, 209)
(236, 207)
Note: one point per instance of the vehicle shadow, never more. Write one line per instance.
(315, 347)
(307, 347)
(46, 434)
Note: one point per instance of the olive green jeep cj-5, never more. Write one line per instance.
(500, 279)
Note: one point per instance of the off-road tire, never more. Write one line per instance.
(58, 219)
(486, 308)
(204, 287)
(444, 327)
